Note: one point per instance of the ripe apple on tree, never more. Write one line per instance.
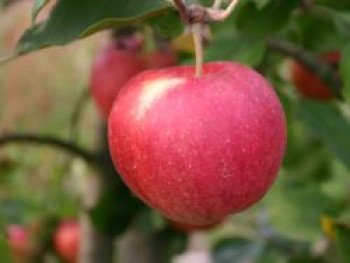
(113, 67)
(198, 148)
(19, 243)
(192, 228)
(121, 60)
(66, 240)
(308, 83)
(163, 56)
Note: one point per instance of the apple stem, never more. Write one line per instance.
(198, 44)
(217, 4)
(197, 16)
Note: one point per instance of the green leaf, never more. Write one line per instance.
(4, 249)
(74, 19)
(115, 210)
(329, 124)
(321, 38)
(13, 210)
(336, 4)
(168, 24)
(266, 21)
(240, 49)
(345, 71)
(306, 259)
(261, 3)
(38, 6)
(295, 209)
(343, 242)
(241, 250)
(149, 221)
(237, 250)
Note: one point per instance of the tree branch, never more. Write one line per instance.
(220, 15)
(51, 141)
(181, 7)
(77, 112)
(310, 61)
(217, 4)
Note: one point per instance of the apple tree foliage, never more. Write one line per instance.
(310, 202)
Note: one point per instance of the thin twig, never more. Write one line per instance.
(217, 4)
(310, 61)
(219, 15)
(181, 7)
(51, 141)
(77, 112)
(74, 124)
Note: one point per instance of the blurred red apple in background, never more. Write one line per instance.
(198, 148)
(18, 241)
(113, 67)
(66, 240)
(120, 61)
(163, 56)
(310, 85)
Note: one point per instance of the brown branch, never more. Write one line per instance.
(51, 141)
(310, 61)
(181, 7)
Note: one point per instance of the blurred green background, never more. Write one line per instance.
(305, 216)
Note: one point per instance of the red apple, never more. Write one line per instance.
(190, 228)
(310, 85)
(18, 241)
(198, 148)
(66, 240)
(113, 67)
(163, 57)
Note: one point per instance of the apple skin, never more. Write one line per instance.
(18, 241)
(192, 228)
(113, 67)
(310, 85)
(118, 62)
(198, 149)
(66, 240)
